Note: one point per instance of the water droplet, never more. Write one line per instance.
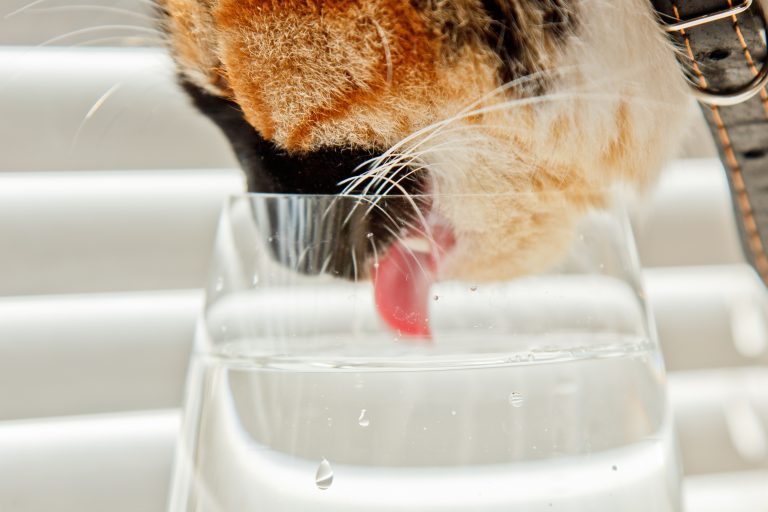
(376, 265)
(369, 235)
(219, 284)
(436, 297)
(473, 288)
(515, 399)
(453, 413)
(270, 239)
(615, 468)
(324, 475)
(330, 422)
(363, 420)
(255, 279)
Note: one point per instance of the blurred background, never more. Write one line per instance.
(110, 187)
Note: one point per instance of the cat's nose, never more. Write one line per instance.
(320, 171)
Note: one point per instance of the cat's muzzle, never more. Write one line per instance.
(341, 236)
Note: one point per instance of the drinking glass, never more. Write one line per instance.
(532, 391)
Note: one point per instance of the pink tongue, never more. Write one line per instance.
(402, 282)
(401, 287)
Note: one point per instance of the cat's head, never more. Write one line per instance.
(545, 103)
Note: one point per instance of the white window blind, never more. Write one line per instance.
(110, 186)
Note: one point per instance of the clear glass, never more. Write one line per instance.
(539, 392)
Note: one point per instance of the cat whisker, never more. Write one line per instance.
(83, 7)
(438, 128)
(125, 40)
(374, 204)
(354, 264)
(495, 92)
(87, 30)
(387, 51)
(375, 253)
(470, 110)
(326, 263)
(400, 179)
(95, 108)
(23, 8)
(150, 3)
(373, 201)
(410, 200)
(406, 159)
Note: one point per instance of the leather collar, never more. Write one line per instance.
(723, 52)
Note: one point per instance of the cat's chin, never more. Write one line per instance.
(503, 236)
(488, 256)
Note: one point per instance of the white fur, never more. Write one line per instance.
(620, 59)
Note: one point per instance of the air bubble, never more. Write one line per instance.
(473, 288)
(324, 475)
(255, 279)
(363, 420)
(615, 468)
(515, 399)
(436, 297)
(369, 235)
(219, 284)
(453, 413)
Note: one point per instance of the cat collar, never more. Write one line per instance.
(722, 48)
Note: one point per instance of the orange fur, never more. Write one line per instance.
(312, 74)
(367, 74)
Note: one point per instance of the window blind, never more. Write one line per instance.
(110, 186)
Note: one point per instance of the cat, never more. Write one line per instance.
(545, 104)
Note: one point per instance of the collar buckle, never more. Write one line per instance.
(708, 18)
(745, 92)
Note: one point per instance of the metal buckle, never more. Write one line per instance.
(708, 18)
(721, 99)
(716, 98)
